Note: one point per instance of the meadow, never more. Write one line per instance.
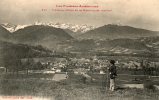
(73, 88)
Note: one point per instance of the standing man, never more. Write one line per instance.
(112, 74)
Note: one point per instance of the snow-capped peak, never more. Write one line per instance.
(12, 28)
(73, 27)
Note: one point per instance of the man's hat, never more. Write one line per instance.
(112, 61)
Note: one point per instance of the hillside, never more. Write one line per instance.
(81, 45)
(44, 35)
(4, 34)
(125, 43)
(73, 34)
(123, 46)
(152, 42)
(11, 50)
(115, 31)
(37, 32)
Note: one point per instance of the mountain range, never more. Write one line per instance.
(66, 26)
(108, 38)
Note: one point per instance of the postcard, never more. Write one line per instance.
(79, 50)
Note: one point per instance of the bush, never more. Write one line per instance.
(148, 84)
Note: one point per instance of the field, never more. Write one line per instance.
(131, 83)
(72, 88)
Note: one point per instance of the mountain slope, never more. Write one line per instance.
(40, 31)
(152, 42)
(125, 43)
(114, 31)
(120, 46)
(43, 35)
(4, 34)
(12, 51)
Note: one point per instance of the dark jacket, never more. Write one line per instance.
(112, 72)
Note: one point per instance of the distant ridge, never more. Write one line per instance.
(115, 31)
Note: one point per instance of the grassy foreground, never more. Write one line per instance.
(70, 89)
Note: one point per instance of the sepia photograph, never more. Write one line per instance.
(79, 50)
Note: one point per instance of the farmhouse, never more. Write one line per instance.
(2, 69)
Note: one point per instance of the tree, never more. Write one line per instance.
(39, 66)
(29, 64)
(12, 63)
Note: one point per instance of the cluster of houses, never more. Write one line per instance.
(82, 65)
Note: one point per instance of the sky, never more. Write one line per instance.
(136, 13)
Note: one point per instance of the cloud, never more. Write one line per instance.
(141, 13)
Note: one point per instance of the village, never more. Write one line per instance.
(77, 73)
(95, 65)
